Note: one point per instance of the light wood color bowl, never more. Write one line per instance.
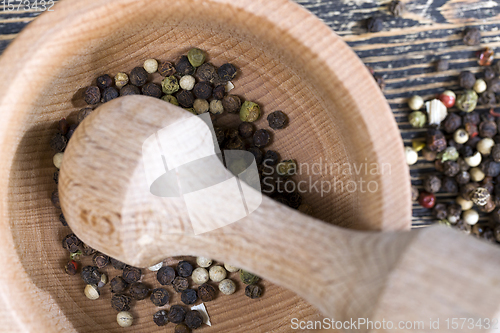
(288, 60)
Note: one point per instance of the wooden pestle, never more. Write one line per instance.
(420, 275)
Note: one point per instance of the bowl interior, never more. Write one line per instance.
(279, 72)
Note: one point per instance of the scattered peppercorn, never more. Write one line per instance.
(159, 297)
(100, 260)
(486, 57)
(397, 8)
(139, 290)
(58, 142)
(131, 274)
(118, 284)
(261, 138)
(271, 158)
(166, 68)
(232, 104)
(120, 302)
(207, 72)
(109, 94)
(472, 36)
(196, 57)
(442, 65)
(435, 140)
(138, 76)
(451, 123)
(185, 98)
(427, 200)
(160, 318)
(165, 275)
(467, 101)
(91, 275)
(374, 24)
(193, 319)
(184, 67)
(219, 92)
(71, 243)
(206, 292)
(439, 211)
(432, 184)
(488, 98)
(227, 72)
(466, 80)
(180, 284)
(246, 129)
(189, 296)
(277, 120)
(71, 267)
(248, 278)
(117, 264)
(177, 314)
(152, 89)
(92, 95)
(182, 328)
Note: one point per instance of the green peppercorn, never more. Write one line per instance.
(192, 110)
(248, 278)
(196, 57)
(170, 85)
(449, 154)
(287, 168)
(467, 101)
(249, 111)
(76, 256)
(417, 119)
(171, 99)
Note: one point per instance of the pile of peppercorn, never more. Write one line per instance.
(464, 146)
(198, 87)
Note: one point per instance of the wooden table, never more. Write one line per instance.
(403, 53)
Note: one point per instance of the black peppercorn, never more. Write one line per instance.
(220, 134)
(257, 153)
(206, 292)
(166, 68)
(488, 98)
(227, 72)
(466, 80)
(271, 158)
(55, 177)
(472, 36)
(189, 296)
(261, 138)
(100, 260)
(152, 89)
(489, 73)
(202, 90)
(109, 94)
(277, 120)
(131, 274)
(182, 328)
(374, 24)
(87, 250)
(487, 129)
(494, 85)
(92, 95)
(194, 319)
(120, 302)
(159, 296)
(472, 117)
(62, 219)
(253, 291)
(442, 65)
(138, 76)
(165, 275)
(245, 129)
(160, 318)
(397, 8)
(117, 264)
(495, 153)
(184, 67)
(71, 243)
(176, 314)
(184, 269)
(235, 142)
(55, 199)
(467, 151)
(452, 122)
(130, 90)
(462, 178)
(451, 168)
(139, 290)
(180, 284)
(104, 81)
(82, 114)
(71, 130)
(439, 211)
(219, 92)
(58, 142)
(435, 140)
(449, 185)
(294, 199)
(467, 190)
(491, 168)
(91, 275)
(207, 72)
(185, 98)
(231, 103)
(118, 284)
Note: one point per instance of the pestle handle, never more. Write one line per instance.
(421, 275)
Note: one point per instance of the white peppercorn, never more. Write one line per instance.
(57, 159)
(461, 136)
(203, 262)
(201, 106)
(464, 203)
(231, 268)
(124, 319)
(476, 174)
(480, 86)
(227, 287)
(200, 275)
(217, 273)
(474, 160)
(485, 145)
(92, 292)
(121, 80)
(216, 106)
(187, 82)
(416, 103)
(156, 267)
(470, 216)
(150, 65)
(411, 155)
